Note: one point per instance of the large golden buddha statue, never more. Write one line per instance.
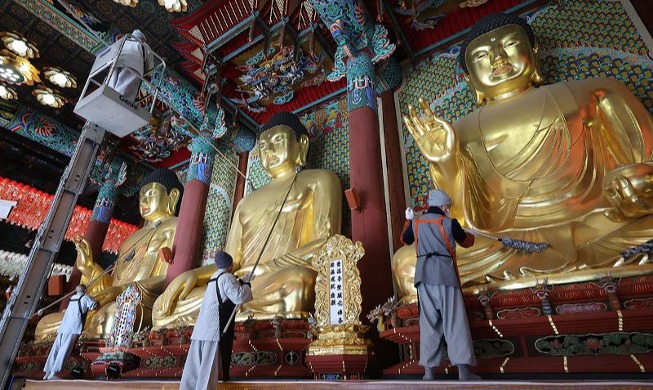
(568, 164)
(285, 280)
(139, 263)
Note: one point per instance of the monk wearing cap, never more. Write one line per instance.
(223, 293)
(134, 60)
(441, 306)
(69, 331)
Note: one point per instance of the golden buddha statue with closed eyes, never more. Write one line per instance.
(569, 164)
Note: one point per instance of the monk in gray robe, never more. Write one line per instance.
(134, 61)
(69, 331)
(441, 306)
(223, 292)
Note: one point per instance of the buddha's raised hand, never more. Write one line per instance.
(84, 261)
(434, 136)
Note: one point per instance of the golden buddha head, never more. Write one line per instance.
(499, 57)
(283, 144)
(160, 194)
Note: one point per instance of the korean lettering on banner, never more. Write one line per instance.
(336, 304)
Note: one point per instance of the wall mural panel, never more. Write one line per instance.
(217, 218)
(577, 40)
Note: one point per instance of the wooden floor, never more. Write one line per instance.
(331, 385)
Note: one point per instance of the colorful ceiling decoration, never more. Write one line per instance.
(423, 13)
(33, 205)
(157, 141)
(273, 77)
(273, 55)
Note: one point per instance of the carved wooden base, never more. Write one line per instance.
(165, 361)
(114, 364)
(336, 367)
(270, 358)
(32, 367)
(576, 328)
(270, 349)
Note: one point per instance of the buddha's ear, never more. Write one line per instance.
(303, 150)
(480, 97)
(174, 200)
(536, 46)
(536, 78)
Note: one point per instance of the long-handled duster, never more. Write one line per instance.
(521, 245)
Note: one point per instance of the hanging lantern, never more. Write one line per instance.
(7, 93)
(127, 3)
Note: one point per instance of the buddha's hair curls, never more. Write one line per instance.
(167, 178)
(286, 119)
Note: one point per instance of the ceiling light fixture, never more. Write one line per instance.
(17, 70)
(127, 3)
(19, 45)
(7, 93)
(60, 77)
(174, 5)
(49, 97)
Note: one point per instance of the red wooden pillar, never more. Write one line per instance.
(191, 212)
(369, 222)
(397, 198)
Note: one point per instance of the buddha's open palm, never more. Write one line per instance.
(434, 136)
(178, 289)
(630, 190)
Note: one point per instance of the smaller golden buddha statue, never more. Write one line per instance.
(568, 164)
(297, 225)
(139, 263)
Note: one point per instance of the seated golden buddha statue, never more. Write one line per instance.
(139, 263)
(311, 214)
(567, 164)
